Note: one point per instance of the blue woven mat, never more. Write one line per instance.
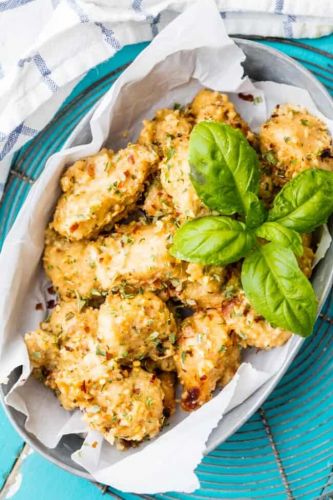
(286, 449)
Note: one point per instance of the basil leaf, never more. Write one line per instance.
(273, 231)
(212, 240)
(278, 290)
(305, 202)
(256, 213)
(224, 167)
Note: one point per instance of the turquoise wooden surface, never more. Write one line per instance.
(284, 451)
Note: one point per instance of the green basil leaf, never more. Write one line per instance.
(278, 290)
(284, 236)
(305, 202)
(212, 240)
(224, 167)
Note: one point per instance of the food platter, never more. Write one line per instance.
(292, 74)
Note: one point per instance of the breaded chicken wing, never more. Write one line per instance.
(129, 408)
(214, 106)
(293, 140)
(136, 327)
(206, 355)
(164, 128)
(69, 266)
(69, 360)
(101, 189)
(137, 255)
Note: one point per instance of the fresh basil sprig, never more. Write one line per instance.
(278, 290)
(213, 240)
(225, 175)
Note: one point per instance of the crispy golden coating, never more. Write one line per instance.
(293, 140)
(130, 408)
(206, 354)
(137, 255)
(136, 327)
(101, 189)
(175, 179)
(69, 267)
(214, 106)
(164, 128)
(157, 202)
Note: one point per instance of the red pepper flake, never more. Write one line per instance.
(94, 444)
(131, 159)
(74, 227)
(50, 304)
(190, 402)
(203, 377)
(83, 386)
(51, 290)
(86, 328)
(39, 306)
(246, 97)
(108, 356)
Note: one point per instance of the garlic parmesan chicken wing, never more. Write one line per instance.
(215, 106)
(167, 125)
(136, 255)
(99, 190)
(69, 266)
(293, 140)
(69, 360)
(206, 355)
(128, 408)
(136, 327)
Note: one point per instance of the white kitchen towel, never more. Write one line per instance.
(46, 46)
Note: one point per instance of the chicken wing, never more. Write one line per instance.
(136, 255)
(206, 355)
(69, 266)
(128, 408)
(214, 106)
(293, 140)
(101, 189)
(136, 327)
(164, 128)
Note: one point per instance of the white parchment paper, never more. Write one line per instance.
(187, 55)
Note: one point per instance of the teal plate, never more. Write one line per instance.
(286, 449)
